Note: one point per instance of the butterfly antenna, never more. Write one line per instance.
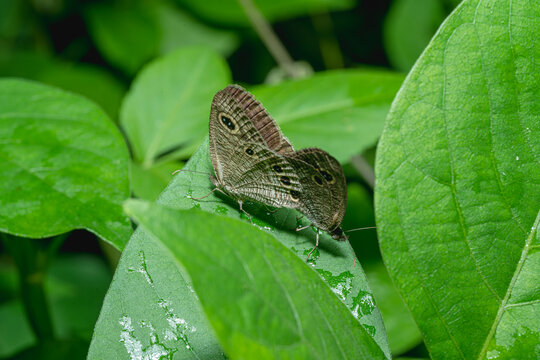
(192, 171)
(362, 228)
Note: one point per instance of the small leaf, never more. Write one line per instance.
(180, 29)
(341, 112)
(458, 184)
(264, 301)
(75, 287)
(168, 105)
(148, 275)
(16, 331)
(408, 27)
(402, 331)
(148, 183)
(127, 36)
(63, 163)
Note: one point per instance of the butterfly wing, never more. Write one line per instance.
(235, 117)
(334, 180)
(266, 176)
(263, 122)
(284, 181)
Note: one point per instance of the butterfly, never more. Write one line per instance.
(253, 160)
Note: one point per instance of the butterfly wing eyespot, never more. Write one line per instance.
(295, 195)
(228, 122)
(277, 168)
(285, 180)
(317, 179)
(327, 176)
(249, 151)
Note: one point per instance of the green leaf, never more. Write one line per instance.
(63, 163)
(168, 105)
(180, 29)
(230, 12)
(126, 34)
(16, 331)
(408, 27)
(360, 214)
(129, 35)
(148, 275)
(148, 183)
(264, 302)
(54, 349)
(458, 184)
(341, 112)
(88, 80)
(401, 329)
(75, 287)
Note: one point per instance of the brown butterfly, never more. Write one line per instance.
(252, 160)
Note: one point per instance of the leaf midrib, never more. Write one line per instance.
(503, 306)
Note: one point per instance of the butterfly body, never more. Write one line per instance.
(252, 160)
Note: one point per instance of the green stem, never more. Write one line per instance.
(32, 257)
(269, 38)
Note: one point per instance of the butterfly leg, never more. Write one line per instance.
(316, 245)
(240, 202)
(200, 198)
(305, 227)
(270, 210)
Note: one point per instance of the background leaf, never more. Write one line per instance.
(148, 183)
(75, 288)
(64, 165)
(230, 11)
(403, 334)
(168, 105)
(341, 112)
(129, 35)
(91, 81)
(458, 183)
(408, 27)
(143, 260)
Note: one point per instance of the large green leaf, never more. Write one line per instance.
(148, 275)
(341, 112)
(230, 11)
(63, 165)
(264, 302)
(168, 105)
(458, 184)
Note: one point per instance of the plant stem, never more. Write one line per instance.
(364, 169)
(269, 38)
